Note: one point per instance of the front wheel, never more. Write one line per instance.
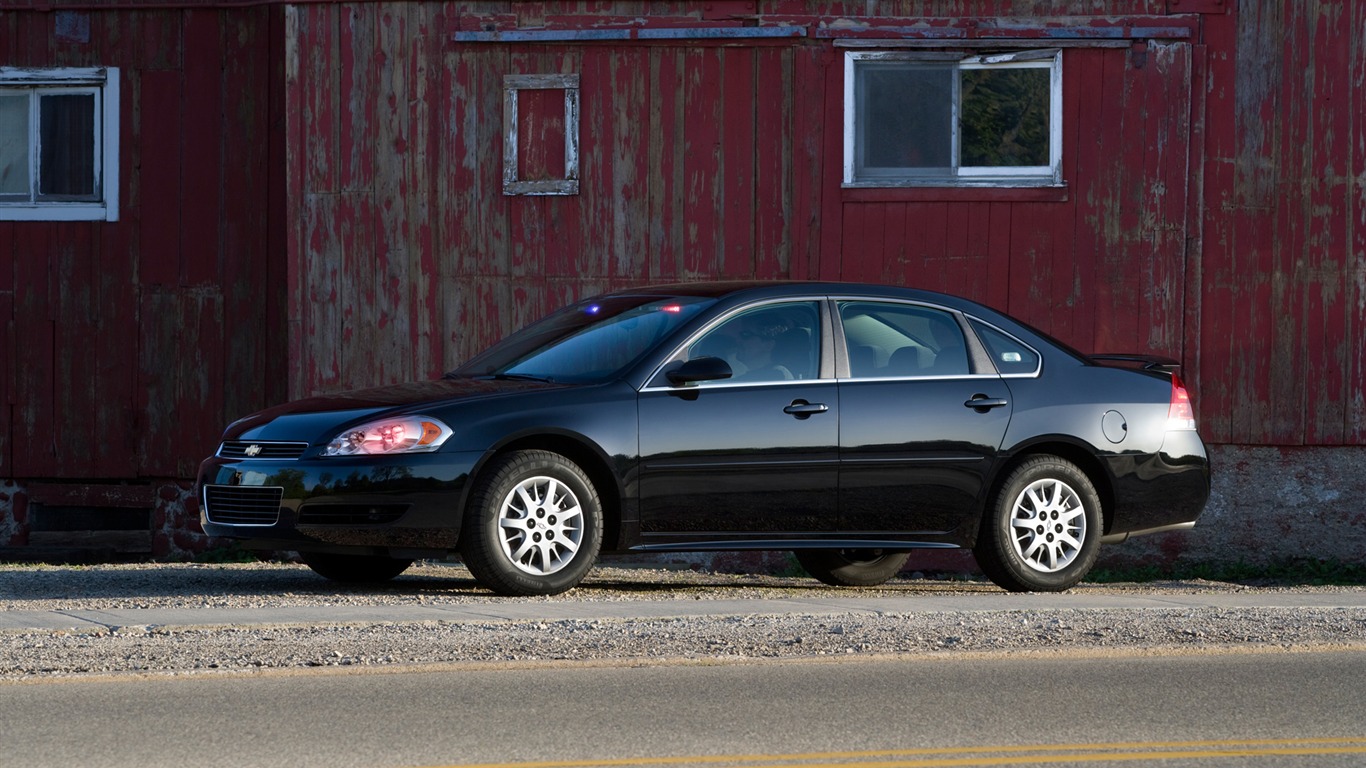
(852, 567)
(1042, 532)
(533, 525)
(355, 569)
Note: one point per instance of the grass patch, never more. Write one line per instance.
(1298, 571)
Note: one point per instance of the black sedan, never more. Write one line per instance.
(849, 424)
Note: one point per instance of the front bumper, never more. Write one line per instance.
(396, 505)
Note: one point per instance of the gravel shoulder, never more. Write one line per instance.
(1300, 619)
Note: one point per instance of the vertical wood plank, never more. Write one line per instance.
(250, 255)
(810, 102)
(1326, 163)
(775, 158)
(1354, 293)
(358, 76)
(736, 204)
(159, 126)
(34, 333)
(628, 203)
(702, 215)
(203, 134)
(831, 120)
(666, 166)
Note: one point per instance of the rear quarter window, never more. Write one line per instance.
(1010, 355)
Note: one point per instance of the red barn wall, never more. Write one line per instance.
(312, 201)
(127, 345)
(706, 159)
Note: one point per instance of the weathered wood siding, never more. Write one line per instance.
(700, 159)
(311, 200)
(128, 345)
(1282, 339)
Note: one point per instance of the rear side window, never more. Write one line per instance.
(901, 340)
(1010, 355)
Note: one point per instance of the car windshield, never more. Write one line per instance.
(591, 341)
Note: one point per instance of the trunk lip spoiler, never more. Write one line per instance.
(1145, 361)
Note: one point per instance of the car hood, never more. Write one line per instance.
(315, 418)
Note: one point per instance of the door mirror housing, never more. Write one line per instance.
(700, 369)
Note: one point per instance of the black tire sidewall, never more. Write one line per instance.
(480, 544)
(995, 550)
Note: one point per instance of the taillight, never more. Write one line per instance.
(1180, 414)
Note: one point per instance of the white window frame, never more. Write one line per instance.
(512, 183)
(960, 176)
(104, 83)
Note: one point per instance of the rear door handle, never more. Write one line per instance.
(982, 403)
(802, 409)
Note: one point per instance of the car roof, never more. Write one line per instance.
(750, 289)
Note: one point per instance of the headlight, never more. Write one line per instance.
(408, 434)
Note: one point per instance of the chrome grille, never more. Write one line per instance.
(246, 449)
(242, 505)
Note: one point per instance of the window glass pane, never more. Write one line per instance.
(66, 162)
(1010, 356)
(1005, 117)
(14, 157)
(905, 110)
(773, 343)
(898, 340)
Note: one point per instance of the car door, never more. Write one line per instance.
(755, 453)
(921, 419)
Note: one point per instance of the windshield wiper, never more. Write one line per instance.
(520, 377)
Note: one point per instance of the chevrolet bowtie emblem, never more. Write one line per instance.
(253, 450)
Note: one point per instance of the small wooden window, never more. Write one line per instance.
(58, 144)
(541, 140)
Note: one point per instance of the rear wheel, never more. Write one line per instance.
(1042, 533)
(355, 569)
(533, 525)
(852, 567)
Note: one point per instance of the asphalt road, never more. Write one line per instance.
(1271, 708)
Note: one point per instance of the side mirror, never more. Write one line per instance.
(699, 369)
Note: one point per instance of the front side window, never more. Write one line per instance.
(58, 144)
(775, 342)
(917, 119)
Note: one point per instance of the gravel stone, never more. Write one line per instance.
(156, 650)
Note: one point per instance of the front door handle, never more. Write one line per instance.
(982, 403)
(803, 410)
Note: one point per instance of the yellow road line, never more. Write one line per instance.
(987, 756)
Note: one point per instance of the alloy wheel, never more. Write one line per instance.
(1048, 525)
(540, 525)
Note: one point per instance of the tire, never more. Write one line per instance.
(852, 567)
(355, 569)
(1042, 531)
(533, 525)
